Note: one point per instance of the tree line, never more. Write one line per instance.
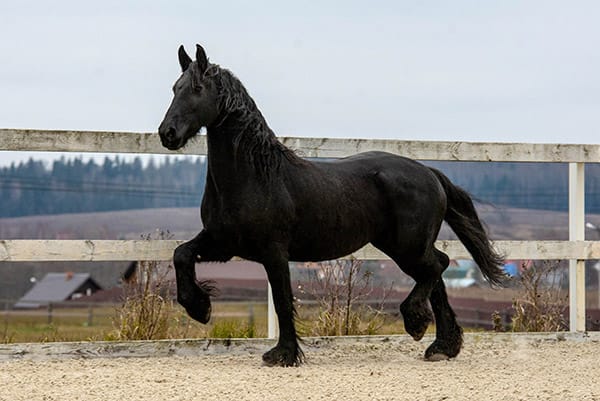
(73, 186)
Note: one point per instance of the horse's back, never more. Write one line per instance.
(395, 177)
(346, 203)
(415, 201)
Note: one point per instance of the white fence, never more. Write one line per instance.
(577, 250)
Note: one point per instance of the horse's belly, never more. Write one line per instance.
(320, 245)
(317, 255)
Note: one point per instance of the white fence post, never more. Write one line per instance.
(272, 327)
(576, 233)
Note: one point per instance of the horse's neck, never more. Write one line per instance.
(231, 160)
(242, 149)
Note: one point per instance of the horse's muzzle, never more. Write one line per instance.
(168, 137)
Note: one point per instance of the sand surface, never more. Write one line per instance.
(489, 368)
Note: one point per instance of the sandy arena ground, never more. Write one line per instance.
(491, 367)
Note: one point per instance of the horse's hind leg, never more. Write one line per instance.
(415, 310)
(192, 294)
(425, 270)
(448, 338)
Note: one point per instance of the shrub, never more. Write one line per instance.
(340, 288)
(148, 311)
(542, 302)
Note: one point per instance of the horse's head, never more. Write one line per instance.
(194, 103)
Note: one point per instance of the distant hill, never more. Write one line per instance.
(182, 223)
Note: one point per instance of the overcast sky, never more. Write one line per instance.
(518, 71)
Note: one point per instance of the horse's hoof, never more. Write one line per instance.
(418, 335)
(270, 363)
(416, 320)
(277, 359)
(198, 308)
(280, 356)
(200, 313)
(437, 357)
(442, 350)
(416, 329)
(197, 302)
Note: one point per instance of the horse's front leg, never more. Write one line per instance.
(287, 352)
(192, 294)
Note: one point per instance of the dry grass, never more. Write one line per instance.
(148, 311)
(230, 320)
(339, 287)
(542, 302)
(68, 324)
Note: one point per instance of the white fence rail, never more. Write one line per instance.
(130, 142)
(26, 250)
(576, 249)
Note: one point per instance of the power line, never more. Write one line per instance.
(37, 184)
(44, 180)
(154, 194)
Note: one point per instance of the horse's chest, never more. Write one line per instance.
(244, 222)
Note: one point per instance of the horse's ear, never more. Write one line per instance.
(201, 59)
(184, 59)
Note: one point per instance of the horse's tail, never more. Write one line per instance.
(464, 221)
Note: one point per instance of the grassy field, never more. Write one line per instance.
(230, 320)
(96, 324)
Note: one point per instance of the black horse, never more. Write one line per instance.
(264, 203)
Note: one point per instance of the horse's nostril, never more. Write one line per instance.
(166, 131)
(170, 133)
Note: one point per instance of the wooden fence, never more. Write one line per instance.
(576, 249)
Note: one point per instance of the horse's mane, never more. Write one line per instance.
(253, 137)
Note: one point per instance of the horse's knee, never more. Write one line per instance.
(183, 255)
